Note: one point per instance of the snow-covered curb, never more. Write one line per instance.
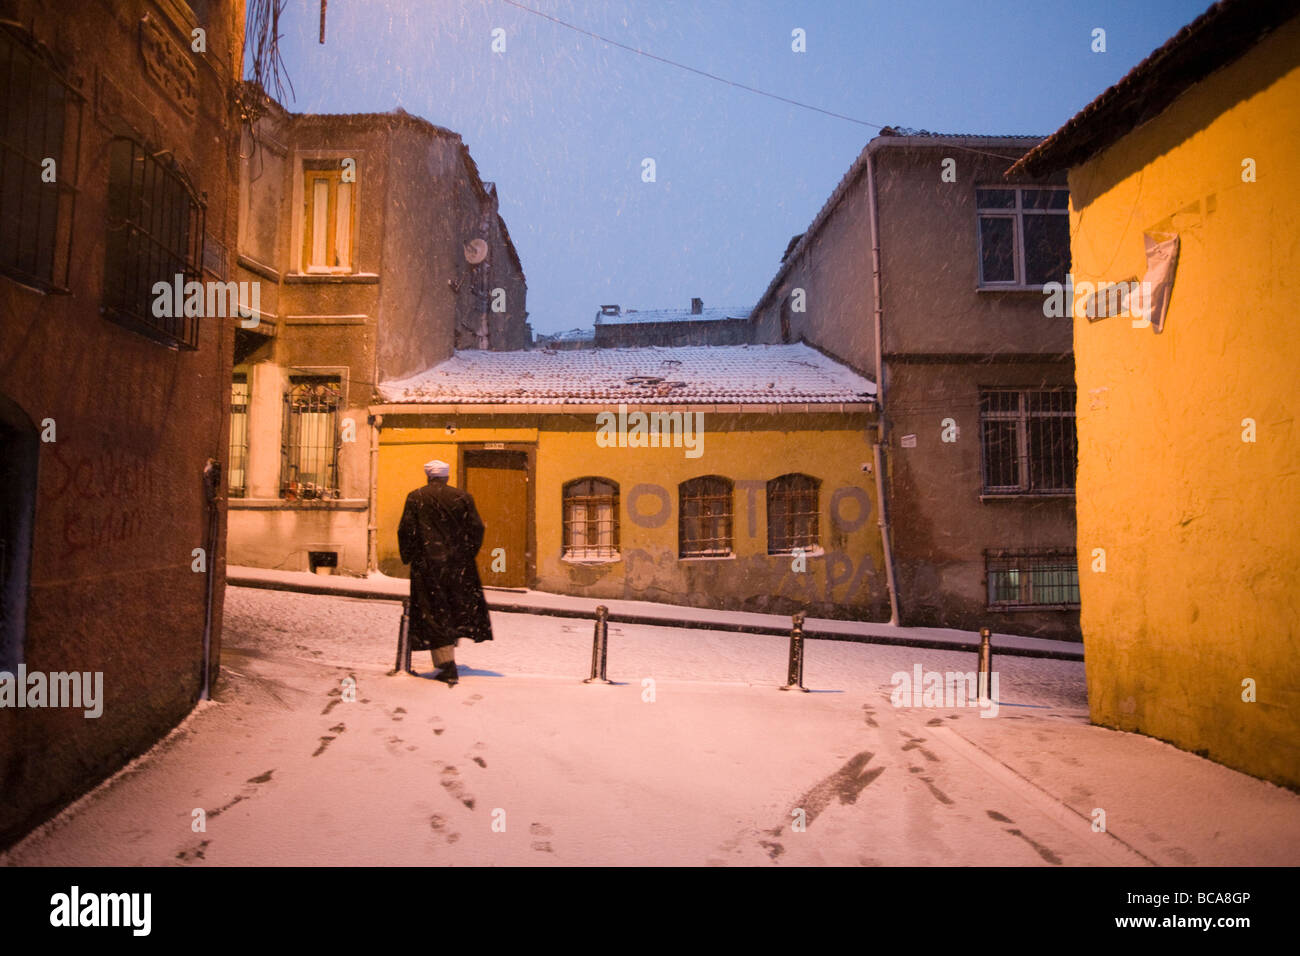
(383, 587)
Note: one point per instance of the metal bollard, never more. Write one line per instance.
(600, 647)
(403, 664)
(985, 662)
(794, 675)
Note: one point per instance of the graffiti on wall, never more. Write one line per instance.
(100, 498)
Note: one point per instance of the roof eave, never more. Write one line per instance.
(1220, 36)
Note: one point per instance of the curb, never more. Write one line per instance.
(504, 606)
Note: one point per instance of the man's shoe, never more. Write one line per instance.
(448, 675)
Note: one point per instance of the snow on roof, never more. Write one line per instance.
(672, 315)
(572, 335)
(714, 374)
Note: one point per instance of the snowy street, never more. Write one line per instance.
(707, 764)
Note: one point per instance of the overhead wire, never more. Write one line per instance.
(722, 79)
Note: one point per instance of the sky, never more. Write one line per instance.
(562, 122)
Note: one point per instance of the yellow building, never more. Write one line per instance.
(1183, 176)
(730, 476)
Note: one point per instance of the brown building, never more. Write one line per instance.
(118, 154)
(926, 255)
(671, 328)
(378, 251)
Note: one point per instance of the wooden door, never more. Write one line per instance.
(498, 480)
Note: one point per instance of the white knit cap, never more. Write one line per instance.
(437, 469)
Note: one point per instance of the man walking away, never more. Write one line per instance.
(439, 537)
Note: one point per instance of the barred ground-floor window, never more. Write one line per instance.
(310, 467)
(793, 511)
(1032, 578)
(705, 517)
(590, 519)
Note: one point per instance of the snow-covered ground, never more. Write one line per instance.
(707, 764)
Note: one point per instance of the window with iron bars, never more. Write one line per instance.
(155, 233)
(1018, 579)
(792, 514)
(1027, 440)
(704, 517)
(238, 473)
(311, 438)
(590, 519)
(38, 163)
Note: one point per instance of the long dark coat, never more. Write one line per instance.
(439, 537)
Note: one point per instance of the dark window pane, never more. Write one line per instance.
(1001, 456)
(995, 198)
(1052, 453)
(1044, 199)
(1047, 248)
(997, 249)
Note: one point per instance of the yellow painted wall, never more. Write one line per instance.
(848, 580)
(1201, 530)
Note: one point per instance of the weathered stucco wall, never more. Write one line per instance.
(846, 581)
(834, 271)
(417, 203)
(120, 502)
(929, 250)
(941, 526)
(1201, 530)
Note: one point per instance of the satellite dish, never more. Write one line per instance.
(476, 251)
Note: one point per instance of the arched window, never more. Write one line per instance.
(704, 517)
(792, 513)
(591, 519)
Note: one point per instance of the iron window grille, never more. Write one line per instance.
(704, 517)
(590, 519)
(1024, 235)
(1028, 442)
(1040, 579)
(239, 398)
(311, 438)
(36, 110)
(792, 514)
(155, 233)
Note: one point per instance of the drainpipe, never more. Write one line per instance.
(372, 524)
(211, 492)
(882, 428)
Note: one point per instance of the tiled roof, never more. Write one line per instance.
(632, 316)
(716, 374)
